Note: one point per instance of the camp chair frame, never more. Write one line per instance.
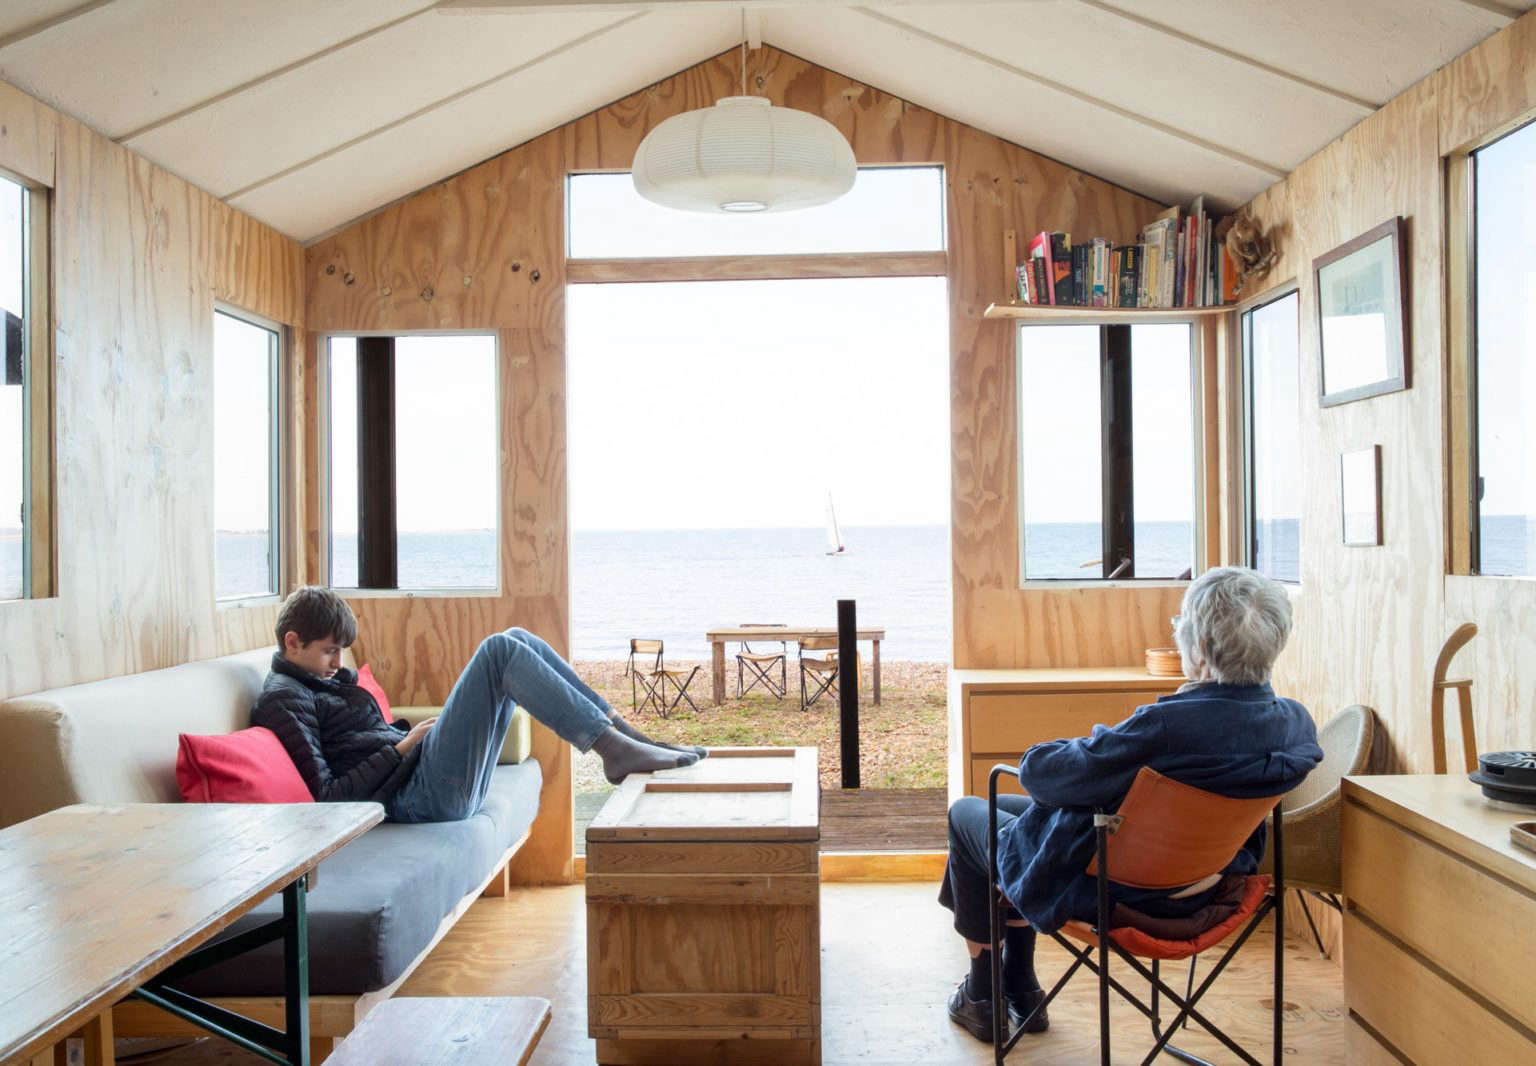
(644, 679)
(661, 676)
(825, 670)
(1105, 824)
(761, 667)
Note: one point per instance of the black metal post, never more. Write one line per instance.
(377, 557)
(1119, 534)
(296, 971)
(848, 689)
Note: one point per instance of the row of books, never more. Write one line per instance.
(1177, 263)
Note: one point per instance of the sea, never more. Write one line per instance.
(677, 584)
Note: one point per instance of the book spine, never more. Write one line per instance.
(1129, 274)
(1021, 273)
(1038, 277)
(1061, 267)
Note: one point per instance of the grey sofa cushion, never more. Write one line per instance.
(378, 902)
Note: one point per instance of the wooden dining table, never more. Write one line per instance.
(719, 637)
(102, 902)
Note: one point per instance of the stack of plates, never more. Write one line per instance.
(1507, 776)
(1164, 662)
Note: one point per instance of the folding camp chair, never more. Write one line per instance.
(680, 680)
(1166, 835)
(642, 677)
(761, 665)
(822, 671)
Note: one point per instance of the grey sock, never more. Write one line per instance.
(634, 734)
(623, 756)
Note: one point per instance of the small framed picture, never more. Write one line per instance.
(1361, 328)
(1360, 496)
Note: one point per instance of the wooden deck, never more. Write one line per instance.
(898, 819)
(889, 960)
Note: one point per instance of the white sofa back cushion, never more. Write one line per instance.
(114, 741)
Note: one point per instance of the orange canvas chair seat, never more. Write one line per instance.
(1165, 835)
(1146, 946)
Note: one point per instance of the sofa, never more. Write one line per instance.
(376, 907)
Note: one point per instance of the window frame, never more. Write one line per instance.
(39, 528)
(1200, 460)
(277, 458)
(1250, 552)
(1463, 547)
(326, 560)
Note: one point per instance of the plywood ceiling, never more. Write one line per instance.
(309, 115)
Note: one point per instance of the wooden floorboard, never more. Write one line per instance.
(889, 959)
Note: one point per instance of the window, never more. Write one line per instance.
(1271, 373)
(245, 457)
(1504, 357)
(413, 463)
(1107, 451)
(889, 209)
(26, 525)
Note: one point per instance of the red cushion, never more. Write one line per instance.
(1146, 946)
(365, 679)
(250, 766)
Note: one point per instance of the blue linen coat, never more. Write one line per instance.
(1238, 741)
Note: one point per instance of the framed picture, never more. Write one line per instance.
(1362, 331)
(1360, 495)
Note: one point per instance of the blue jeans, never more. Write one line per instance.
(458, 754)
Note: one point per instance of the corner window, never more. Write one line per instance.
(1272, 404)
(246, 371)
(26, 396)
(1107, 452)
(1504, 357)
(413, 462)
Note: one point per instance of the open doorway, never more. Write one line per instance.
(719, 432)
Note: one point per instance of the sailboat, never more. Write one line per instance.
(834, 535)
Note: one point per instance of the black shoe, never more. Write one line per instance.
(974, 1015)
(1019, 1007)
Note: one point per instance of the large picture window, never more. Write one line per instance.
(413, 462)
(1107, 452)
(1272, 397)
(246, 371)
(26, 527)
(1504, 357)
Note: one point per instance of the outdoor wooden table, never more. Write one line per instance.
(98, 903)
(718, 637)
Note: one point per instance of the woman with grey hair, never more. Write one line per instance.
(1225, 731)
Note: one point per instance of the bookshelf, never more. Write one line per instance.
(1070, 315)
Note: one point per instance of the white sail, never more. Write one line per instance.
(834, 536)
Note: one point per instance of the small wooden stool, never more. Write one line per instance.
(446, 1031)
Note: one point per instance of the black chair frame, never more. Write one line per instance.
(663, 707)
(1104, 824)
(645, 681)
(763, 671)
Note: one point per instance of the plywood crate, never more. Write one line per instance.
(704, 916)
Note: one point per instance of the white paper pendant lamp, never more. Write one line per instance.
(743, 155)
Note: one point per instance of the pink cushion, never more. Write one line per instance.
(366, 680)
(250, 766)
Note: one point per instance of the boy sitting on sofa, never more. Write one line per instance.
(439, 769)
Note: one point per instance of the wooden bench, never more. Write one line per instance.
(446, 1031)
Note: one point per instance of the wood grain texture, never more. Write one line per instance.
(758, 267)
(444, 1031)
(1385, 611)
(104, 898)
(139, 256)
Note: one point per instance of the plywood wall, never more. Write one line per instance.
(1370, 621)
(485, 250)
(139, 257)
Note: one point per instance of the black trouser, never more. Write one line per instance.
(964, 890)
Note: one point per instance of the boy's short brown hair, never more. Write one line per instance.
(315, 613)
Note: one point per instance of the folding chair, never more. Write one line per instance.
(761, 665)
(1165, 835)
(680, 680)
(643, 679)
(823, 671)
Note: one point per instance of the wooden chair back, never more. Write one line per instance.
(1171, 834)
(814, 643)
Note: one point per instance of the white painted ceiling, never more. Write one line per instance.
(310, 114)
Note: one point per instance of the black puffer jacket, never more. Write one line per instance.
(334, 733)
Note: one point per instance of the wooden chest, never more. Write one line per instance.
(703, 913)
